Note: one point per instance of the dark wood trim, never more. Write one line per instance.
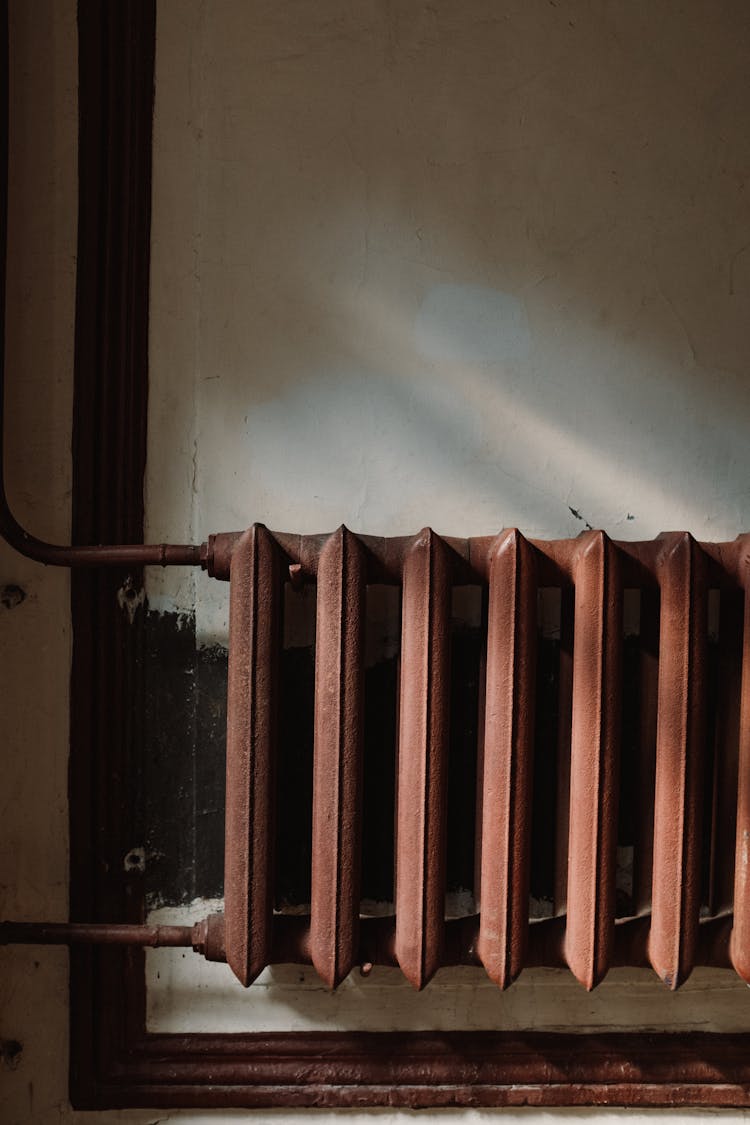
(114, 1062)
(116, 83)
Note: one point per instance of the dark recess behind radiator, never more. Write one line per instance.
(180, 784)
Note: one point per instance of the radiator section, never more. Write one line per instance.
(252, 706)
(654, 874)
(680, 738)
(508, 758)
(337, 771)
(423, 759)
(594, 755)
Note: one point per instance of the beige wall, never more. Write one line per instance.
(463, 264)
(35, 635)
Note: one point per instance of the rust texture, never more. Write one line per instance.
(254, 647)
(430, 1069)
(679, 755)
(508, 759)
(594, 759)
(422, 759)
(337, 783)
(206, 936)
(564, 731)
(646, 751)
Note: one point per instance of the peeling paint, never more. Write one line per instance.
(130, 598)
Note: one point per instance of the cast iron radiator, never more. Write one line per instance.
(670, 927)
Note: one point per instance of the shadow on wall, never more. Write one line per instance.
(41, 269)
(470, 265)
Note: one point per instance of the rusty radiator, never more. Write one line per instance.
(671, 926)
(689, 773)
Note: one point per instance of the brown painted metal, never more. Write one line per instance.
(110, 555)
(556, 558)
(376, 942)
(254, 648)
(679, 758)
(507, 759)
(204, 937)
(337, 777)
(93, 933)
(423, 758)
(740, 944)
(576, 1074)
(428, 566)
(594, 759)
(726, 743)
(564, 730)
(643, 813)
(509, 566)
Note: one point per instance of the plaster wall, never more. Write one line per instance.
(467, 265)
(470, 265)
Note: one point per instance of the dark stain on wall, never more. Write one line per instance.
(179, 785)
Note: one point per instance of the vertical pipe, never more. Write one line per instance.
(337, 774)
(594, 763)
(423, 759)
(508, 758)
(254, 648)
(643, 814)
(679, 758)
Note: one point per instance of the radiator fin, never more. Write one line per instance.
(594, 759)
(680, 740)
(254, 651)
(423, 759)
(676, 906)
(337, 776)
(508, 758)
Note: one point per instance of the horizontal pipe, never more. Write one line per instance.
(291, 939)
(205, 936)
(555, 558)
(124, 555)
(93, 933)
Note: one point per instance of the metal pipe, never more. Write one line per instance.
(206, 936)
(138, 554)
(94, 933)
